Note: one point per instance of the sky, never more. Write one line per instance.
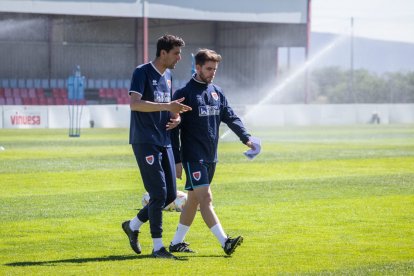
(377, 19)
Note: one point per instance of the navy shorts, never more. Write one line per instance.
(198, 174)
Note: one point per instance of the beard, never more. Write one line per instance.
(204, 78)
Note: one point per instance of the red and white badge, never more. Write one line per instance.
(149, 159)
(214, 95)
(197, 175)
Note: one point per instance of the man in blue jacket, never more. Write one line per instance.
(153, 115)
(196, 148)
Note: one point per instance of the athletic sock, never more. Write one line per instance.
(219, 233)
(157, 244)
(179, 236)
(135, 224)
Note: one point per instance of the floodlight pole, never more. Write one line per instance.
(351, 73)
(145, 31)
(308, 27)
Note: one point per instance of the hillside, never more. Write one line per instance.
(374, 55)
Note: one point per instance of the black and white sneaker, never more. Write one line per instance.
(231, 244)
(181, 247)
(163, 253)
(132, 237)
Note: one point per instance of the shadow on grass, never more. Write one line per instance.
(209, 256)
(88, 260)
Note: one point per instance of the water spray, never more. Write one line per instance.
(293, 76)
(12, 26)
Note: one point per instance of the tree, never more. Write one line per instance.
(333, 83)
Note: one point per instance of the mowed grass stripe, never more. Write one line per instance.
(322, 234)
(315, 169)
(109, 176)
(71, 202)
(50, 183)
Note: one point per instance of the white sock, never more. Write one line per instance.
(219, 233)
(180, 233)
(157, 244)
(135, 224)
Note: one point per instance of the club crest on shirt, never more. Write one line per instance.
(154, 82)
(215, 96)
(149, 159)
(197, 175)
(169, 83)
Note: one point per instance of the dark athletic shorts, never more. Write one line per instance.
(198, 174)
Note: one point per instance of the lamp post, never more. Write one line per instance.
(351, 73)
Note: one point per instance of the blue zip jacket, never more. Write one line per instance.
(199, 128)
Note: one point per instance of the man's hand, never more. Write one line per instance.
(179, 170)
(250, 145)
(177, 107)
(174, 122)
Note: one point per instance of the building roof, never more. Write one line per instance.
(265, 11)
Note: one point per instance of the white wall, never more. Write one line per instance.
(400, 113)
(58, 116)
(112, 116)
(108, 116)
(1, 117)
(338, 114)
(104, 116)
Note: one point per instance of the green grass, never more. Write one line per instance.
(325, 200)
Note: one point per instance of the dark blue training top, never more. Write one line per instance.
(199, 128)
(150, 127)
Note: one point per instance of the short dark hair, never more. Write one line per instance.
(204, 55)
(167, 42)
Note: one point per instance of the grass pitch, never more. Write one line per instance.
(324, 200)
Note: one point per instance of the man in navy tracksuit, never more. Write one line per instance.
(153, 115)
(199, 135)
